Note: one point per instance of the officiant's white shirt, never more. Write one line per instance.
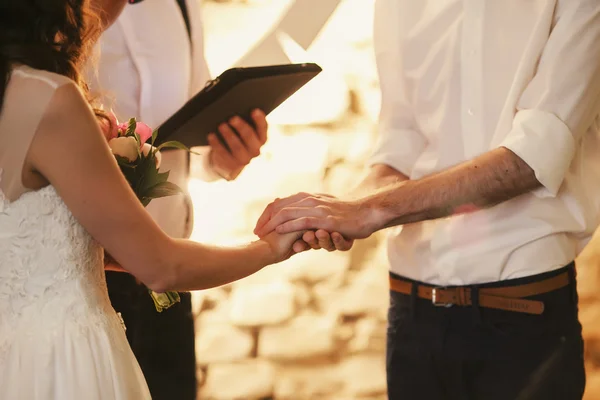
(148, 69)
(462, 77)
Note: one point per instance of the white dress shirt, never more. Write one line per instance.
(148, 69)
(463, 77)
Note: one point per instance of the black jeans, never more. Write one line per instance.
(476, 353)
(163, 343)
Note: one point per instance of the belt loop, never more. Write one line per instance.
(475, 304)
(414, 295)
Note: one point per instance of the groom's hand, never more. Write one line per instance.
(244, 142)
(304, 211)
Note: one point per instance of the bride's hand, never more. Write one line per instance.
(286, 245)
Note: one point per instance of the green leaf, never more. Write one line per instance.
(173, 144)
(150, 176)
(163, 189)
(124, 162)
(145, 201)
(131, 127)
(131, 177)
(164, 175)
(154, 135)
(176, 145)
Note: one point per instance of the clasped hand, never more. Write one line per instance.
(327, 222)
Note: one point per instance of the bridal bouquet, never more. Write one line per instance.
(139, 161)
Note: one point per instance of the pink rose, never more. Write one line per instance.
(110, 127)
(143, 130)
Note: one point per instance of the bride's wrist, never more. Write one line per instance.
(263, 252)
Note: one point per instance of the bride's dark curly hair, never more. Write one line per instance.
(50, 35)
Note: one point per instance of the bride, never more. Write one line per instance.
(63, 201)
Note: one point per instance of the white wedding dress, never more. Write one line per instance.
(60, 338)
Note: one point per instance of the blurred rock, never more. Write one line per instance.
(262, 304)
(219, 315)
(315, 266)
(303, 296)
(247, 380)
(303, 337)
(307, 382)
(207, 299)
(590, 320)
(366, 293)
(592, 386)
(369, 336)
(222, 343)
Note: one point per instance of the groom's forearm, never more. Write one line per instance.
(489, 179)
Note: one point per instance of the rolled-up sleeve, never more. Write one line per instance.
(562, 101)
(399, 144)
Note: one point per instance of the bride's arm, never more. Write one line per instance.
(70, 152)
(111, 265)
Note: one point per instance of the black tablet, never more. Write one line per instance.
(236, 91)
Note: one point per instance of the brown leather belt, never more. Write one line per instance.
(510, 298)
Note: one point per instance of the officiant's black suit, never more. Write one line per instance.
(163, 343)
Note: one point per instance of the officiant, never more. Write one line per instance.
(151, 63)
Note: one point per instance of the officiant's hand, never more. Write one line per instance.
(244, 146)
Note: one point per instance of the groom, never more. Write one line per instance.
(488, 165)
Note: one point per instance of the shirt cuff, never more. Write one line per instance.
(399, 149)
(546, 144)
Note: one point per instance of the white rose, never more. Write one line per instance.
(146, 150)
(126, 147)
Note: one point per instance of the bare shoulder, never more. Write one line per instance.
(45, 96)
(26, 76)
(69, 122)
(68, 112)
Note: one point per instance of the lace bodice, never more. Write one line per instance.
(60, 338)
(51, 269)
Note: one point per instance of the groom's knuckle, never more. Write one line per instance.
(304, 223)
(322, 210)
(283, 215)
(330, 221)
(309, 202)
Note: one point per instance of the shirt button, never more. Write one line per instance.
(470, 111)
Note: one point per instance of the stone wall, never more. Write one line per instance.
(314, 326)
(310, 328)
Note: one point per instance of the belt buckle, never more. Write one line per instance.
(434, 299)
